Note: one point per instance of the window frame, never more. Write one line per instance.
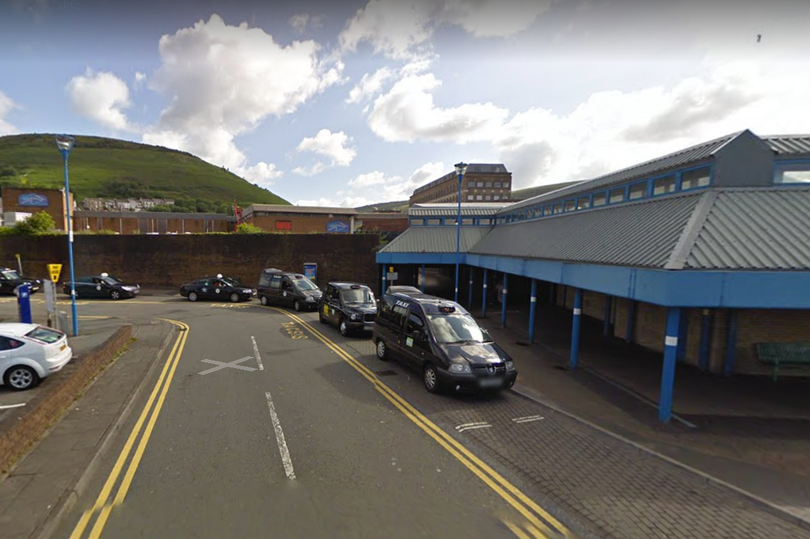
(777, 164)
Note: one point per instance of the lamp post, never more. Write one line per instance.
(461, 168)
(65, 144)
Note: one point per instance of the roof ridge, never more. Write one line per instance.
(691, 231)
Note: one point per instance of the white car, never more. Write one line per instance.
(29, 353)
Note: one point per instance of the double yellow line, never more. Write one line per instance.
(539, 522)
(104, 504)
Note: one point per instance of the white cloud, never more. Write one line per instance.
(407, 113)
(223, 81)
(403, 28)
(101, 97)
(370, 85)
(327, 144)
(262, 174)
(140, 79)
(6, 106)
(301, 21)
(373, 178)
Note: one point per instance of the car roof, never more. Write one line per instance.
(16, 329)
(343, 284)
(295, 274)
(429, 303)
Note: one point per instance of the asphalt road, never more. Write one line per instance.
(295, 441)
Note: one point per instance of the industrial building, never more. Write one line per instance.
(481, 183)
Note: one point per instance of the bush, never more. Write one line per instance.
(39, 223)
(247, 228)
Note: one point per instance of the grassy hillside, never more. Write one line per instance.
(385, 206)
(102, 167)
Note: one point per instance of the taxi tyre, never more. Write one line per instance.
(344, 327)
(20, 378)
(382, 351)
(297, 306)
(115, 294)
(430, 377)
(234, 297)
(321, 319)
(192, 296)
(263, 300)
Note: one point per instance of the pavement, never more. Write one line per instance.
(579, 456)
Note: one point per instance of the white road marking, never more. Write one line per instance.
(223, 365)
(528, 419)
(282, 444)
(472, 426)
(5, 406)
(256, 351)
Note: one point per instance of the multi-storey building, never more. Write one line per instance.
(481, 183)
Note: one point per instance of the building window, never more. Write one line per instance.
(469, 197)
(467, 222)
(478, 197)
(480, 184)
(557, 208)
(599, 199)
(796, 172)
(434, 221)
(497, 185)
(417, 222)
(638, 190)
(489, 185)
(583, 203)
(617, 195)
(698, 177)
(664, 185)
(569, 205)
(283, 225)
(496, 197)
(488, 197)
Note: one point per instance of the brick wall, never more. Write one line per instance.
(143, 225)
(48, 405)
(174, 260)
(301, 224)
(55, 207)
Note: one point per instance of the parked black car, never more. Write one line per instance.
(10, 280)
(440, 339)
(102, 286)
(218, 287)
(289, 289)
(349, 306)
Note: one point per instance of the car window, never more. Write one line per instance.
(110, 280)
(84, 280)
(7, 343)
(10, 275)
(276, 281)
(203, 282)
(304, 284)
(334, 294)
(455, 328)
(357, 295)
(45, 335)
(400, 314)
(414, 324)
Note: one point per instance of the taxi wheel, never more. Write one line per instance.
(382, 351)
(320, 317)
(192, 296)
(431, 379)
(344, 328)
(115, 294)
(263, 300)
(234, 297)
(20, 378)
(297, 306)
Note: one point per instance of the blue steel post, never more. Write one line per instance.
(532, 310)
(575, 330)
(670, 360)
(383, 279)
(705, 339)
(631, 322)
(504, 296)
(731, 343)
(422, 284)
(606, 321)
(73, 311)
(683, 336)
(460, 168)
(469, 289)
(484, 296)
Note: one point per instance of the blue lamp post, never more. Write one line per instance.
(65, 144)
(461, 168)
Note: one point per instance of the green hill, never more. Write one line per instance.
(401, 205)
(103, 167)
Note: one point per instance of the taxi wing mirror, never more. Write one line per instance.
(418, 335)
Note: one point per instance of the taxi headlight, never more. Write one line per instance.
(355, 316)
(510, 365)
(460, 368)
(310, 299)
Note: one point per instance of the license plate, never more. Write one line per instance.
(491, 382)
(368, 328)
(62, 347)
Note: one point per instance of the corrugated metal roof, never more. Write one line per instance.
(435, 239)
(638, 234)
(755, 230)
(680, 158)
(451, 210)
(530, 192)
(789, 144)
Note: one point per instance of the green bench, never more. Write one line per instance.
(783, 353)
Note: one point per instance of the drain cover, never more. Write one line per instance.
(386, 373)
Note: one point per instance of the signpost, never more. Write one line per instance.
(55, 270)
(49, 287)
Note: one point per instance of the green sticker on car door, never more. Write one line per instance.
(409, 342)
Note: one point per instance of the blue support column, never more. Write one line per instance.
(383, 279)
(469, 289)
(731, 343)
(422, 284)
(631, 322)
(575, 331)
(705, 339)
(484, 296)
(670, 360)
(606, 321)
(532, 310)
(683, 336)
(505, 295)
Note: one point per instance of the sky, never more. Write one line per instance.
(348, 103)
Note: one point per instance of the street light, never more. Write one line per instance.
(461, 168)
(65, 144)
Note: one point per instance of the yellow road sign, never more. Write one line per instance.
(55, 270)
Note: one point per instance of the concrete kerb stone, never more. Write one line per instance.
(771, 508)
(66, 503)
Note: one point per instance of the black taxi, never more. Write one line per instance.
(218, 288)
(349, 306)
(102, 286)
(10, 280)
(443, 341)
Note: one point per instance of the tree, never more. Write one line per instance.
(38, 223)
(247, 228)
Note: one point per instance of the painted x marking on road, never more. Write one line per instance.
(223, 365)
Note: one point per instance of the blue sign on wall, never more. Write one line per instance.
(337, 226)
(311, 271)
(32, 199)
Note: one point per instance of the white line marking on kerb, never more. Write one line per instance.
(5, 406)
(256, 351)
(527, 419)
(282, 444)
(471, 426)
